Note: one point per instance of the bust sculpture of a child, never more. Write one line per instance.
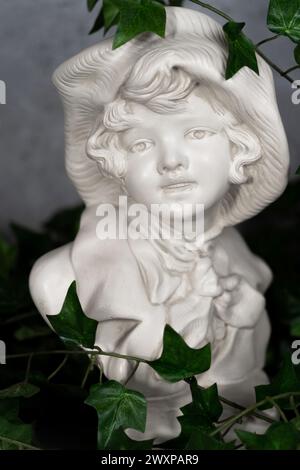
(156, 121)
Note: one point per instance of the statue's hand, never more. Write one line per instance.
(191, 318)
(240, 305)
(204, 279)
(229, 288)
(130, 337)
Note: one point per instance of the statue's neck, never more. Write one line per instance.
(198, 228)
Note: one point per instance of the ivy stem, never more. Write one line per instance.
(18, 443)
(227, 431)
(121, 356)
(88, 370)
(294, 406)
(259, 52)
(99, 352)
(132, 373)
(239, 446)
(269, 39)
(213, 9)
(250, 410)
(280, 411)
(295, 67)
(275, 67)
(261, 416)
(90, 352)
(61, 365)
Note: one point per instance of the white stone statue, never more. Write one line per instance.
(155, 120)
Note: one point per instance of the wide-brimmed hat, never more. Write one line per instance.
(92, 79)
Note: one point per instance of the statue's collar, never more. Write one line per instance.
(163, 262)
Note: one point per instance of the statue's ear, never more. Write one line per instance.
(246, 149)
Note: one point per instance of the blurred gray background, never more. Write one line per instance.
(35, 37)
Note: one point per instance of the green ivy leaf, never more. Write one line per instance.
(198, 417)
(284, 18)
(7, 257)
(241, 50)
(296, 423)
(71, 324)
(286, 381)
(9, 408)
(175, 3)
(117, 407)
(133, 17)
(11, 427)
(139, 16)
(295, 328)
(297, 59)
(291, 297)
(99, 23)
(14, 434)
(25, 390)
(203, 441)
(190, 422)
(91, 4)
(279, 436)
(120, 441)
(178, 361)
(206, 401)
(110, 14)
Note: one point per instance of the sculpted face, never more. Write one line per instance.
(182, 157)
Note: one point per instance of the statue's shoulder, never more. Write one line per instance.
(92, 244)
(109, 280)
(50, 279)
(243, 261)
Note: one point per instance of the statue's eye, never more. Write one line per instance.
(198, 134)
(140, 146)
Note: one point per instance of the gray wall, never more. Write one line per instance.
(35, 37)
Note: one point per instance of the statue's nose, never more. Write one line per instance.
(171, 161)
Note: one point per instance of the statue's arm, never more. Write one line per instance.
(49, 280)
(128, 323)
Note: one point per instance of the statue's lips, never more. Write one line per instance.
(179, 187)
